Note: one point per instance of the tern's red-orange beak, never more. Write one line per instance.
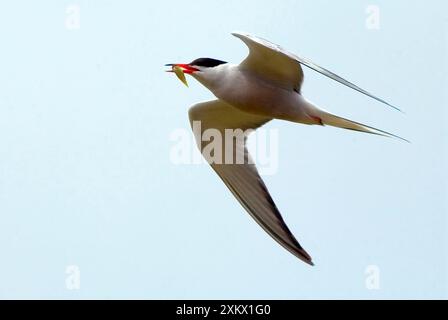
(186, 68)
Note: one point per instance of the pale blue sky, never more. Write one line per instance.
(86, 179)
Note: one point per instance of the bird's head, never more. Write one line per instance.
(200, 68)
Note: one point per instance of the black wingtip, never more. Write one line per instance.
(307, 261)
(304, 256)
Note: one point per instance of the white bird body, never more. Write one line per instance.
(256, 95)
(265, 86)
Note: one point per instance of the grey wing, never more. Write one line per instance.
(243, 179)
(265, 54)
(271, 62)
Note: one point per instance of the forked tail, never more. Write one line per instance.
(329, 119)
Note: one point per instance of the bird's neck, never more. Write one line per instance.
(213, 78)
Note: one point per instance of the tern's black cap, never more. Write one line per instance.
(207, 62)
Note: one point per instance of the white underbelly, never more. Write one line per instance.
(250, 94)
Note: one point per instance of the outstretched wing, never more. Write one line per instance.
(272, 61)
(241, 177)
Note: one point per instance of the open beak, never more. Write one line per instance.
(186, 68)
(180, 70)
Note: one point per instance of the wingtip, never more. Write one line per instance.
(307, 260)
(305, 257)
(241, 34)
(394, 107)
(405, 140)
(237, 33)
(393, 136)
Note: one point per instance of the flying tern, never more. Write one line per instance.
(266, 85)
